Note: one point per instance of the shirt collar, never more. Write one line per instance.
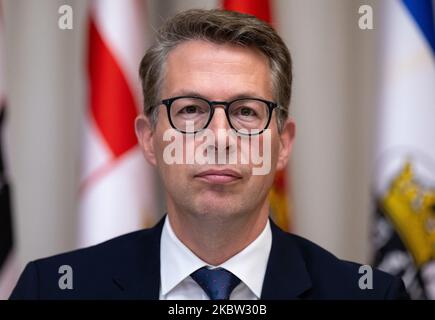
(250, 264)
(178, 261)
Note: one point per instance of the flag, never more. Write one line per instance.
(404, 187)
(117, 185)
(8, 263)
(278, 196)
(259, 8)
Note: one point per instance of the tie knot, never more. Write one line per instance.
(217, 283)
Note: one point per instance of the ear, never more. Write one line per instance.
(287, 136)
(144, 132)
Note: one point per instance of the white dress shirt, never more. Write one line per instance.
(177, 262)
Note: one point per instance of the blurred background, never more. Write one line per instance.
(361, 182)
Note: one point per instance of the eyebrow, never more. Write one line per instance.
(246, 94)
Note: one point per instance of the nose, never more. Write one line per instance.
(224, 142)
(219, 119)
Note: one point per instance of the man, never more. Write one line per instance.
(215, 83)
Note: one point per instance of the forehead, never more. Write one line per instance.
(216, 70)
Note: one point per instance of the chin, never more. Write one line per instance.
(217, 208)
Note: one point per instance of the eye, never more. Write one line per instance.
(245, 111)
(191, 109)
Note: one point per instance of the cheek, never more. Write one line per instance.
(174, 175)
(264, 153)
(275, 147)
(159, 146)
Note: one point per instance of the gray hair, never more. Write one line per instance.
(217, 26)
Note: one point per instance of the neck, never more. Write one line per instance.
(217, 239)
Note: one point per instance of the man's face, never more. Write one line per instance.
(216, 72)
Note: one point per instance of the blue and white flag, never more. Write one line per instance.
(405, 151)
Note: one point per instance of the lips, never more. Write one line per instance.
(219, 176)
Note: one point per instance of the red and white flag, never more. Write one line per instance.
(117, 185)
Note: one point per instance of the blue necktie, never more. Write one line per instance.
(217, 283)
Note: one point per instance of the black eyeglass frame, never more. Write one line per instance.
(168, 103)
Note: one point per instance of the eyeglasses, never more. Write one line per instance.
(247, 116)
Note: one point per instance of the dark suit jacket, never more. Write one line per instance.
(128, 267)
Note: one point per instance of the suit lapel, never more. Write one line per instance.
(286, 274)
(140, 276)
